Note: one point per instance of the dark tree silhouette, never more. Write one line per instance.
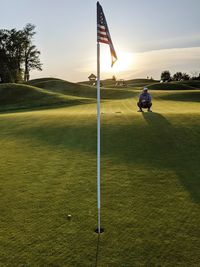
(166, 76)
(18, 55)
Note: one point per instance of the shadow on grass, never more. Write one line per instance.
(23, 108)
(156, 143)
(183, 160)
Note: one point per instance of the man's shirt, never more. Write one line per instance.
(145, 97)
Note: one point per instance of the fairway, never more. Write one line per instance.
(150, 182)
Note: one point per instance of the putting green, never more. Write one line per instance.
(150, 184)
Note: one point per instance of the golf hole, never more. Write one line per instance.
(97, 230)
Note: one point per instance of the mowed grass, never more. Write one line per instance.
(22, 96)
(150, 184)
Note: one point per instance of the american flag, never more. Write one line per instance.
(103, 35)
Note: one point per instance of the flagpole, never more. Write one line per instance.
(98, 140)
(103, 36)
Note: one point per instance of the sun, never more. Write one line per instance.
(125, 62)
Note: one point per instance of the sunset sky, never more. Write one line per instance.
(149, 36)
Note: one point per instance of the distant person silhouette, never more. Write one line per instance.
(144, 100)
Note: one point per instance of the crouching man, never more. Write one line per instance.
(144, 100)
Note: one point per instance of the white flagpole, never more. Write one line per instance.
(98, 139)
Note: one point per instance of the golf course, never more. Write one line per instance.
(150, 175)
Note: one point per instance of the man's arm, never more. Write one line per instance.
(150, 98)
(140, 98)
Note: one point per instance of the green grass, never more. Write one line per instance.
(150, 182)
(185, 85)
(110, 83)
(21, 96)
(186, 96)
(80, 90)
(138, 84)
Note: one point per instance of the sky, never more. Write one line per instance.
(148, 36)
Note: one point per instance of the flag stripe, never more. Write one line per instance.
(103, 34)
(104, 41)
(102, 31)
(101, 27)
(103, 38)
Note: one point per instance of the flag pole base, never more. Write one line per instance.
(97, 230)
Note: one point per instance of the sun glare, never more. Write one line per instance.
(125, 62)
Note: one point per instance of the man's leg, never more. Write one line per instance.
(139, 106)
(149, 106)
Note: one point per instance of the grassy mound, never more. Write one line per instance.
(131, 83)
(105, 83)
(174, 86)
(186, 96)
(192, 83)
(140, 82)
(80, 90)
(48, 92)
(35, 81)
(65, 87)
(18, 96)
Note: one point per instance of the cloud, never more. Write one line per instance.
(152, 63)
(169, 43)
(143, 64)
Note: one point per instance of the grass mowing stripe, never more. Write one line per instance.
(153, 213)
(150, 185)
(45, 252)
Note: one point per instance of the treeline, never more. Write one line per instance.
(18, 54)
(178, 76)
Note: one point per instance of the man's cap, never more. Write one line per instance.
(145, 89)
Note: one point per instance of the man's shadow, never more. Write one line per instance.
(177, 150)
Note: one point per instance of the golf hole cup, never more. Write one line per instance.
(69, 216)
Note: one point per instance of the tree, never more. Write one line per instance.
(178, 76)
(10, 52)
(10, 55)
(18, 55)
(31, 54)
(166, 76)
(195, 76)
(32, 61)
(4, 71)
(186, 76)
